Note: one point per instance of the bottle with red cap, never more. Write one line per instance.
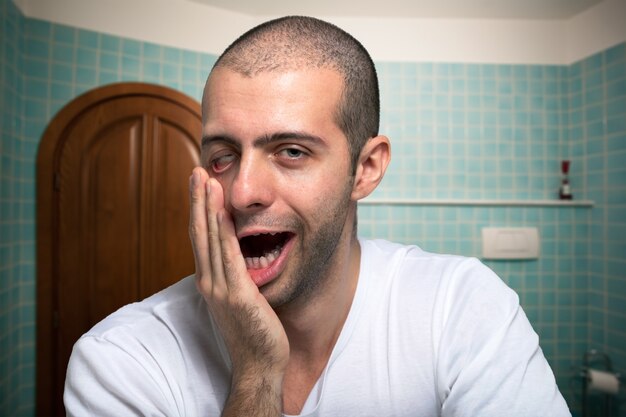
(565, 193)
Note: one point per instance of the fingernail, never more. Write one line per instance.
(195, 178)
(208, 187)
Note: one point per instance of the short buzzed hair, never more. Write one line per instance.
(295, 42)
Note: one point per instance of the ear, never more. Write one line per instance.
(371, 166)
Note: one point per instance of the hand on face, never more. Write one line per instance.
(254, 335)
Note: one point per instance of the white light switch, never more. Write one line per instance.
(510, 242)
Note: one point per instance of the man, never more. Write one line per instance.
(289, 312)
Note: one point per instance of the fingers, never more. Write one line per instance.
(220, 266)
(215, 206)
(227, 261)
(235, 270)
(198, 227)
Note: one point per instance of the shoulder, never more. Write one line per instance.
(160, 326)
(450, 273)
(147, 351)
(446, 285)
(398, 255)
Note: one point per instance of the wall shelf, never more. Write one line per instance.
(475, 202)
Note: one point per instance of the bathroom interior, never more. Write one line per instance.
(482, 106)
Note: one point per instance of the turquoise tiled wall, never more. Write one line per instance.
(473, 131)
(598, 114)
(16, 278)
(458, 131)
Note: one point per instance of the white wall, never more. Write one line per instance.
(190, 25)
(596, 29)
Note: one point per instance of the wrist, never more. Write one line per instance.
(269, 377)
(254, 393)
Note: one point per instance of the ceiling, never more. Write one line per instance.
(464, 9)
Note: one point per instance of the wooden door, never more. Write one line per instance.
(113, 211)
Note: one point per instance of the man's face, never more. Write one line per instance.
(272, 143)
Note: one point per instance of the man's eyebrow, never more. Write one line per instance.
(208, 139)
(263, 140)
(284, 136)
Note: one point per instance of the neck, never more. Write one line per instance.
(313, 326)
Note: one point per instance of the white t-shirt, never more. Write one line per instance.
(427, 335)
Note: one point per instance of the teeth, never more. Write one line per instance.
(262, 261)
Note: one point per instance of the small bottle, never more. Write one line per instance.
(565, 193)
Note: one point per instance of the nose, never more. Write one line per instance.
(252, 186)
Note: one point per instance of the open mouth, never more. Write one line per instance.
(261, 250)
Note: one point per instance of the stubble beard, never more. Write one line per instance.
(317, 252)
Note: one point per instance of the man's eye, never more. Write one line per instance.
(292, 153)
(222, 162)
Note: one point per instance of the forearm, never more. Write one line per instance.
(254, 396)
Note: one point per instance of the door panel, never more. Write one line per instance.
(166, 238)
(113, 210)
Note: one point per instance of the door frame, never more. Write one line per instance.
(47, 213)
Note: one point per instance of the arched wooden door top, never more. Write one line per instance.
(168, 106)
(67, 114)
